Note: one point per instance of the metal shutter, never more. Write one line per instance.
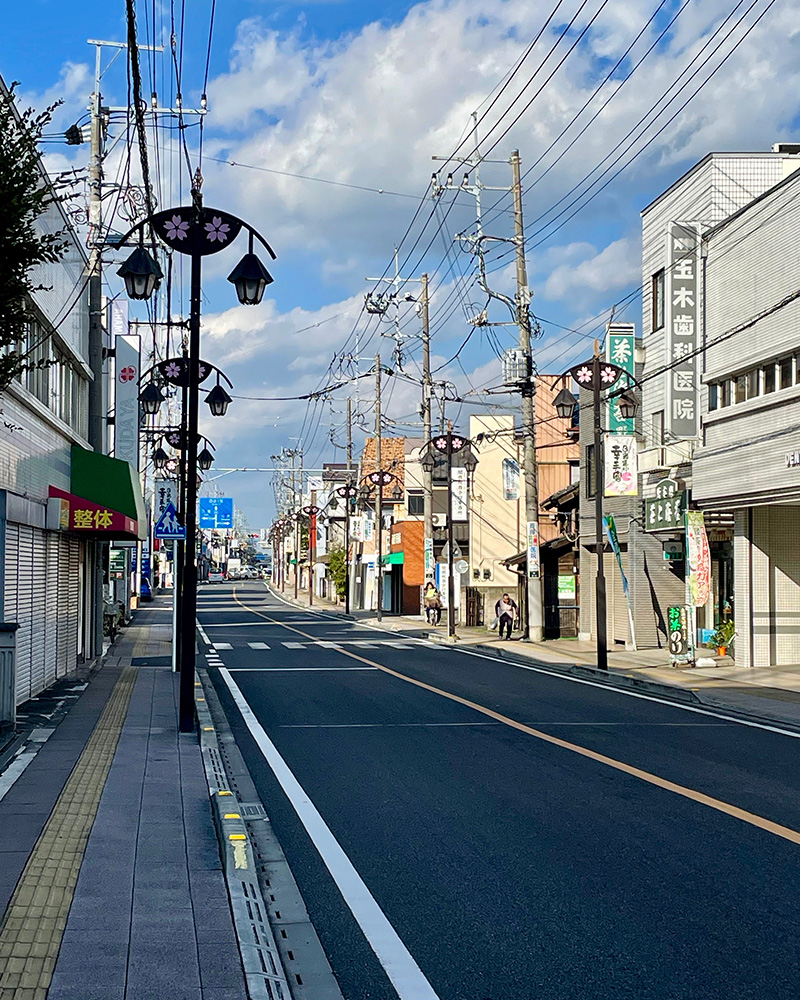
(23, 684)
(28, 682)
(74, 591)
(52, 666)
(39, 676)
(62, 607)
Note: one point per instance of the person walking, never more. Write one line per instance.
(433, 603)
(507, 611)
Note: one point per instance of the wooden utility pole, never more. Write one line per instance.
(379, 499)
(427, 402)
(533, 577)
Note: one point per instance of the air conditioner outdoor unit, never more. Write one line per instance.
(439, 520)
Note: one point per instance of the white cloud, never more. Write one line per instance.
(589, 272)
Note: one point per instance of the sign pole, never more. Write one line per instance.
(175, 615)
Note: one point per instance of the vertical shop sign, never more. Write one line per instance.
(429, 566)
(126, 419)
(510, 479)
(459, 487)
(698, 559)
(621, 466)
(620, 346)
(681, 318)
(533, 550)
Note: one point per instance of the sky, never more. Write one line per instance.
(332, 111)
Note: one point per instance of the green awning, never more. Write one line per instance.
(109, 482)
(392, 559)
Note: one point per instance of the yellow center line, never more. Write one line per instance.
(653, 779)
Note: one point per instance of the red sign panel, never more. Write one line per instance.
(87, 516)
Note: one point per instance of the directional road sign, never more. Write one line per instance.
(168, 525)
(216, 512)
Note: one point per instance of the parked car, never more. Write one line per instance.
(215, 576)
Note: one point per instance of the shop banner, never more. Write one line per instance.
(429, 566)
(459, 488)
(698, 559)
(611, 531)
(510, 479)
(621, 466)
(682, 315)
(678, 631)
(533, 550)
(357, 528)
(620, 344)
(126, 417)
(165, 491)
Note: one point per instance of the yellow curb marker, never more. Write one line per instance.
(753, 819)
(30, 935)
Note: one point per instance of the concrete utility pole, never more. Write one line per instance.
(427, 403)
(533, 580)
(349, 434)
(379, 494)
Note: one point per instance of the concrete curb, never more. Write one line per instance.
(263, 970)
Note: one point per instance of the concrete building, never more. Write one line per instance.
(748, 462)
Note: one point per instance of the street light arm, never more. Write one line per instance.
(246, 226)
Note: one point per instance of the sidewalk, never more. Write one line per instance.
(111, 880)
(765, 692)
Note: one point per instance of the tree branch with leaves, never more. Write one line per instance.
(25, 195)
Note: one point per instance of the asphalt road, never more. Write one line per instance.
(509, 833)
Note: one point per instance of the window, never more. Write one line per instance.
(786, 366)
(713, 396)
(416, 503)
(753, 379)
(770, 382)
(740, 388)
(657, 428)
(658, 299)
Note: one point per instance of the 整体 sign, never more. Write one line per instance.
(678, 630)
(681, 318)
(216, 512)
(664, 511)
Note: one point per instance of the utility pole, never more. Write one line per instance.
(349, 434)
(427, 403)
(379, 501)
(96, 408)
(533, 581)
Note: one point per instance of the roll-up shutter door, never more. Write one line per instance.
(74, 602)
(11, 610)
(39, 678)
(62, 614)
(53, 668)
(31, 684)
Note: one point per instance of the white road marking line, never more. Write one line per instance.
(222, 645)
(240, 625)
(327, 645)
(397, 645)
(296, 670)
(203, 635)
(543, 669)
(14, 770)
(384, 725)
(294, 645)
(398, 963)
(366, 645)
(258, 645)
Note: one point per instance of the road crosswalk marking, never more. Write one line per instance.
(295, 645)
(258, 645)
(323, 643)
(222, 645)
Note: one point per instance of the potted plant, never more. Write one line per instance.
(724, 636)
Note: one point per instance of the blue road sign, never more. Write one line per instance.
(168, 525)
(216, 512)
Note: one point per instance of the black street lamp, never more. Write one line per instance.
(218, 400)
(197, 232)
(450, 444)
(380, 478)
(348, 493)
(151, 398)
(597, 376)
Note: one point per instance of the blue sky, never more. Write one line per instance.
(363, 95)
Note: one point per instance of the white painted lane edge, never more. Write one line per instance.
(405, 975)
(581, 680)
(14, 770)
